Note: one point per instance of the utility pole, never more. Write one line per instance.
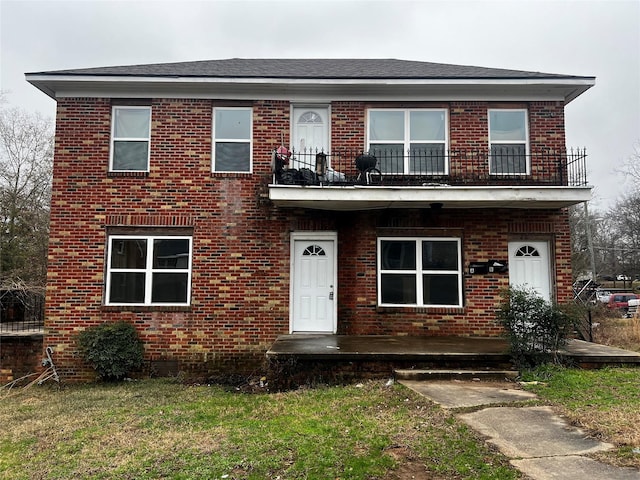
(590, 242)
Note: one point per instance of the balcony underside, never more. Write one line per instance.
(362, 197)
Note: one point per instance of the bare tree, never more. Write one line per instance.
(26, 160)
(625, 226)
(630, 169)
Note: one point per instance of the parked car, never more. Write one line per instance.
(623, 278)
(620, 301)
(633, 307)
(603, 296)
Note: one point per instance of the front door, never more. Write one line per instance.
(530, 266)
(313, 285)
(310, 134)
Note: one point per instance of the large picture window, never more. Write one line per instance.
(148, 270)
(232, 127)
(130, 138)
(419, 272)
(508, 138)
(409, 141)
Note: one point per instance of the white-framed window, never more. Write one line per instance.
(419, 271)
(232, 139)
(148, 270)
(508, 142)
(409, 141)
(130, 138)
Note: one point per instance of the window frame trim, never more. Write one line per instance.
(215, 140)
(148, 271)
(419, 272)
(113, 139)
(407, 136)
(527, 140)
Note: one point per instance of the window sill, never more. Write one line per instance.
(128, 174)
(415, 309)
(146, 308)
(232, 174)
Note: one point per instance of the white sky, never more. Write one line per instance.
(578, 37)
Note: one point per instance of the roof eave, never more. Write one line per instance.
(56, 85)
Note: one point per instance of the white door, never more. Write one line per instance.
(530, 266)
(310, 135)
(313, 302)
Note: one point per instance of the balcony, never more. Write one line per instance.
(501, 178)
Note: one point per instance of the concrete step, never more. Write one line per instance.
(460, 374)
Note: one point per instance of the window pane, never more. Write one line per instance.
(169, 288)
(130, 155)
(426, 126)
(398, 288)
(398, 255)
(233, 124)
(440, 289)
(426, 158)
(507, 125)
(439, 255)
(127, 287)
(127, 253)
(390, 157)
(508, 159)
(131, 122)
(386, 126)
(232, 157)
(171, 253)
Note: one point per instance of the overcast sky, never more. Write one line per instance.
(576, 37)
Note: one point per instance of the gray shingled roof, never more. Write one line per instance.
(311, 69)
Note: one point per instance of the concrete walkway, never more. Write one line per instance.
(540, 444)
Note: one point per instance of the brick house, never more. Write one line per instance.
(174, 209)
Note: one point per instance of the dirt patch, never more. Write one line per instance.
(410, 466)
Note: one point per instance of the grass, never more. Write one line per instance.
(605, 403)
(618, 332)
(155, 429)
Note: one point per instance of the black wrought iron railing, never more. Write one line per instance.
(21, 312)
(421, 167)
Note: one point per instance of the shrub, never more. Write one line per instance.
(536, 329)
(113, 349)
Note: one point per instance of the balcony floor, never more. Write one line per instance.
(362, 197)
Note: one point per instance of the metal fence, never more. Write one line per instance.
(428, 166)
(21, 312)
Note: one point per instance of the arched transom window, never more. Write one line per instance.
(310, 117)
(314, 251)
(527, 251)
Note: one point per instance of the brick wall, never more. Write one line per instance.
(241, 246)
(20, 356)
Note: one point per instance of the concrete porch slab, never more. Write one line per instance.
(349, 347)
(474, 350)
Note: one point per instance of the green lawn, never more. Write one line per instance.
(156, 429)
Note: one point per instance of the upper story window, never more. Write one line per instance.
(130, 138)
(148, 270)
(409, 141)
(419, 272)
(509, 142)
(232, 127)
